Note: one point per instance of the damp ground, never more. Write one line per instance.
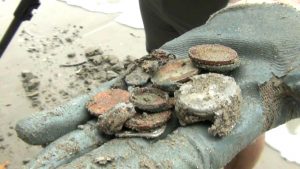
(51, 82)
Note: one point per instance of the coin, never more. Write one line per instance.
(145, 122)
(150, 99)
(214, 57)
(213, 97)
(113, 120)
(105, 100)
(137, 77)
(174, 72)
(146, 134)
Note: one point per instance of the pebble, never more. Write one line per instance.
(9, 134)
(111, 74)
(25, 161)
(102, 160)
(71, 55)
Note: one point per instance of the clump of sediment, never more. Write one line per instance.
(31, 85)
(97, 67)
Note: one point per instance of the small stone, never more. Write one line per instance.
(63, 93)
(71, 55)
(118, 67)
(25, 161)
(93, 51)
(30, 82)
(81, 127)
(106, 66)
(69, 40)
(27, 74)
(87, 82)
(96, 60)
(113, 60)
(2, 147)
(111, 74)
(102, 160)
(35, 103)
(9, 134)
(120, 84)
(32, 94)
(129, 58)
(101, 75)
(1, 138)
(33, 84)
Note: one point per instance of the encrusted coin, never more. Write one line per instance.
(214, 57)
(212, 97)
(137, 77)
(145, 122)
(150, 99)
(146, 134)
(113, 120)
(106, 100)
(174, 72)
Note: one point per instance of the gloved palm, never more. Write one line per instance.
(266, 38)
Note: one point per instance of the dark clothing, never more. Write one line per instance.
(165, 20)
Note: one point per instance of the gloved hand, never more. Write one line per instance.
(266, 38)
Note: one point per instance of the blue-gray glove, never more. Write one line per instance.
(266, 38)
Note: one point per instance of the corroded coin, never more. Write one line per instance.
(137, 77)
(145, 122)
(175, 71)
(113, 120)
(150, 99)
(212, 97)
(145, 134)
(106, 100)
(214, 57)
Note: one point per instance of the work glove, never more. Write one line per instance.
(265, 36)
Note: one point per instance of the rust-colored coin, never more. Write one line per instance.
(174, 71)
(212, 54)
(104, 101)
(144, 122)
(150, 99)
